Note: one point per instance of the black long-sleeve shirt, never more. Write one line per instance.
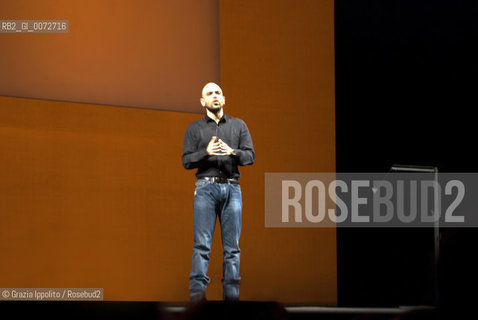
(232, 131)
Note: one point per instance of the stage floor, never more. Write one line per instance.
(211, 310)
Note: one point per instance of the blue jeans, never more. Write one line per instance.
(211, 201)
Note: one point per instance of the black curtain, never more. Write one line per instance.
(406, 92)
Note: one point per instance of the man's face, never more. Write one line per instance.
(212, 97)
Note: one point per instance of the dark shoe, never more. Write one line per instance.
(231, 298)
(198, 298)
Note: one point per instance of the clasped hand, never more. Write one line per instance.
(217, 147)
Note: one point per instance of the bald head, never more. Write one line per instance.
(210, 87)
(212, 97)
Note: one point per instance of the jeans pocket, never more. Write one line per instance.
(201, 184)
(236, 187)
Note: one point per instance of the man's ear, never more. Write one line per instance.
(203, 103)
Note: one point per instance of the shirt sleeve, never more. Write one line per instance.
(245, 154)
(192, 157)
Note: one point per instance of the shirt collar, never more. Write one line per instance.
(224, 118)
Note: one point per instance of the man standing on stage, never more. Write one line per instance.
(216, 145)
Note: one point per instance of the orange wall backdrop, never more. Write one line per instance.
(95, 196)
(136, 53)
(277, 73)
